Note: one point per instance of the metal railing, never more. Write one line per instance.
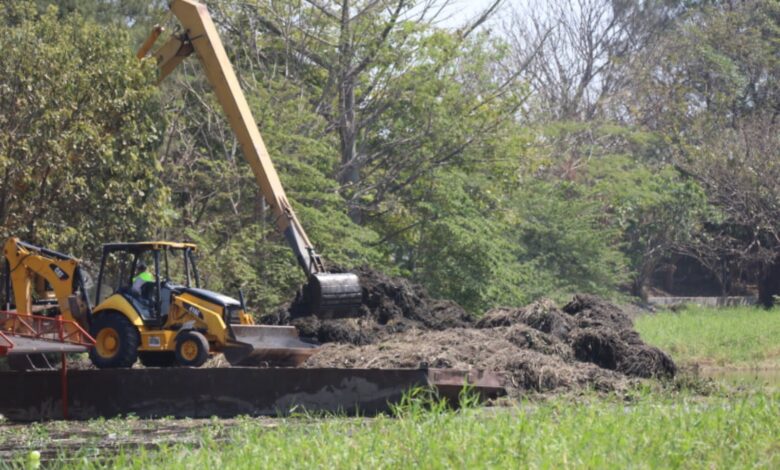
(53, 329)
(5, 344)
(43, 328)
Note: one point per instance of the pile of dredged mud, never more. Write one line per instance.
(390, 305)
(589, 342)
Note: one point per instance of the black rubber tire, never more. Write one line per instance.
(157, 359)
(129, 341)
(199, 341)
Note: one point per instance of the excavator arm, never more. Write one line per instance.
(328, 294)
(53, 277)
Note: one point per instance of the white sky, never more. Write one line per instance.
(463, 10)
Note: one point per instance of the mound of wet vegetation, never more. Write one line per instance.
(390, 305)
(590, 342)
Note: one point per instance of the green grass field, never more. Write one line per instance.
(682, 431)
(742, 337)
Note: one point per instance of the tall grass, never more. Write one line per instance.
(653, 432)
(740, 337)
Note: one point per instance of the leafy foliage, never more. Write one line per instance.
(655, 210)
(493, 169)
(715, 95)
(567, 244)
(79, 127)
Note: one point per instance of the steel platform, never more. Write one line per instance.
(226, 392)
(33, 334)
(23, 345)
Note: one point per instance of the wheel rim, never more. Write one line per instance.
(107, 342)
(189, 350)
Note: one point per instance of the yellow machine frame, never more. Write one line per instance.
(186, 311)
(46, 275)
(328, 293)
(44, 280)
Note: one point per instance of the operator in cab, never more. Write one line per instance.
(141, 278)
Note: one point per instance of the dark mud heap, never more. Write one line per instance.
(588, 343)
(390, 305)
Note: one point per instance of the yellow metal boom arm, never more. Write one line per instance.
(199, 34)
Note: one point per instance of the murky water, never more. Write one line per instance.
(766, 378)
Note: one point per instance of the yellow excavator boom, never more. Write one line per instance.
(328, 293)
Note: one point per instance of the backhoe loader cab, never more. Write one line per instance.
(171, 264)
(170, 320)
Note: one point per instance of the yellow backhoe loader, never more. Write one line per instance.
(172, 320)
(168, 321)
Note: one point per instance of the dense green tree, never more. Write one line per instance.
(711, 89)
(657, 211)
(579, 152)
(454, 240)
(126, 13)
(566, 244)
(80, 122)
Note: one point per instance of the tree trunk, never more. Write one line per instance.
(350, 167)
(638, 287)
(769, 284)
(669, 272)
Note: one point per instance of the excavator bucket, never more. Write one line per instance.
(265, 345)
(330, 295)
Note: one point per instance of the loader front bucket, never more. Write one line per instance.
(266, 345)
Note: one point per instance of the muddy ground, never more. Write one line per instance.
(588, 343)
(73, 441)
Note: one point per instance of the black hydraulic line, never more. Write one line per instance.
(241, 299)
(165, 258)
(100, 278)
(7, 277)
(157, 282)
(187, 265)
(45, 251)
